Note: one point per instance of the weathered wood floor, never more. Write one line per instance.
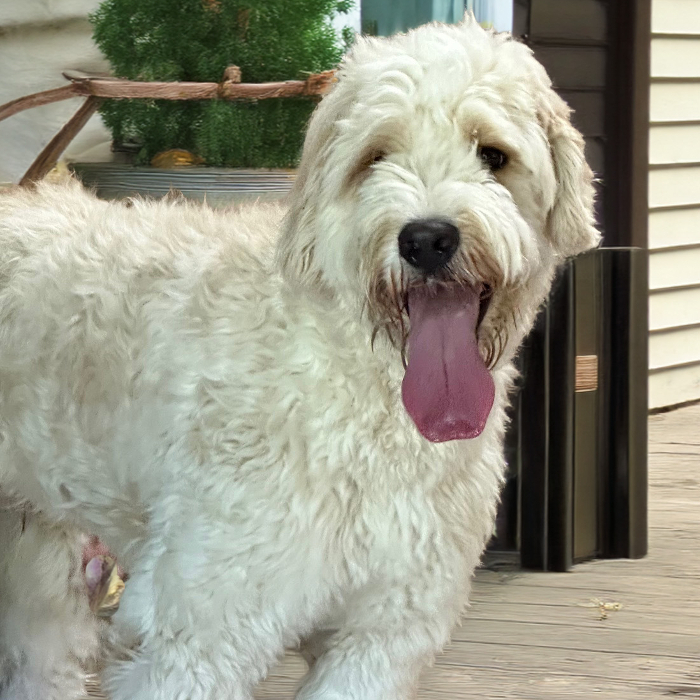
(548, 636)
(611, 630)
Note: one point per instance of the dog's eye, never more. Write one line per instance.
(493, 158)
(377, 157)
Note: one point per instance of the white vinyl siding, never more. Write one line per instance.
(674, 143)
(676, 17)
(675, 268)
(674, 308)
(674, 385)
(675, 102)
(675, 57)
(674, 187)
(674, 201)
(674, 347)
(674, 227)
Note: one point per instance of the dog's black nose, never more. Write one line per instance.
(428, 244)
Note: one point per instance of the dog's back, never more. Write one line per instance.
(98, 304)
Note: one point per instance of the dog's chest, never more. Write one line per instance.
(397, 516)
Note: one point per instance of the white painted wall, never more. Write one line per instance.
(38, 40)
(15, 13)
(674, 200)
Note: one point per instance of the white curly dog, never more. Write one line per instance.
(285, 426)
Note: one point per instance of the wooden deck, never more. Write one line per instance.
(612, 630)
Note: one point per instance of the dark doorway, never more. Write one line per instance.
(577, 444)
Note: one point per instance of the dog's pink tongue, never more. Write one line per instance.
(447, 389)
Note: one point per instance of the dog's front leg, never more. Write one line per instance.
(380, 650)
(204, 630)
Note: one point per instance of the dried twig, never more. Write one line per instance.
(37, 100)
(52, 152)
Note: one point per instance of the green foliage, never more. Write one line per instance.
(195, 40)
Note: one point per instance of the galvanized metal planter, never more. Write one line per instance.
(218, 186)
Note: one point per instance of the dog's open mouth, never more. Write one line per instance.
(447, 390)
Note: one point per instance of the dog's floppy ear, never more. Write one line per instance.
(296, 248)
(571, 221)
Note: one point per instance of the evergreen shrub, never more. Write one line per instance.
(195, 40)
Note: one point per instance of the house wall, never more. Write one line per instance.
(674, 203)
(38, 40)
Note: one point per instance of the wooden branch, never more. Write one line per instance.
(39, 98)
(232, 74)
(131, 89)
(317, 84)
(97, 88)
(320, 83)
(230, 89)
(52, 152)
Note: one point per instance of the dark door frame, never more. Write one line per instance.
(545, 424)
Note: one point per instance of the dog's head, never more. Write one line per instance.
(440, 184)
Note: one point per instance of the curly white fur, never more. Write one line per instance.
(223, 408)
